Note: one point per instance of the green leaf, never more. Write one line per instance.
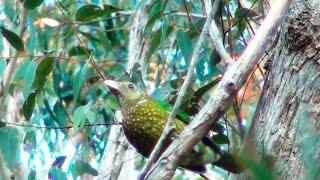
(61, 115)
(79, 80)
(214, 58)
(88, 12)
(221, 139)
(110, 9)
(117, 71)
(57, 174)
(79, 116)
(31, 4)
(84, 167)
(42, 72)
(185, 45)
(156, 12)
(10, 146)
(28, 105)
(91, 117)
(79, 51)
(12, 38)
(157, 38)
(201, 91)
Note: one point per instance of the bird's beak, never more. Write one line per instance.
(113, 86)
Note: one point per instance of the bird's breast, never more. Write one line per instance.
(143, 126)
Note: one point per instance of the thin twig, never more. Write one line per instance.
(60, 127)
(216, 40)
(239, 116)
(56, 57)
(169, 125)
(89, 56)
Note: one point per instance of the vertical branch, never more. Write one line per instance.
(216, 40)
(230, 40)
(8, 73)
(138, 42)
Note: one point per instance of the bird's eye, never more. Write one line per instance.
(130, 86)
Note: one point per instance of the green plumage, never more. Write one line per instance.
(145, 119)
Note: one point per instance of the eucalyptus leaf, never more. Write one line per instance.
(79, 117)
(83, 167)
(79, 51)
(12, 38)
(28, 106)
(156, 12)
(31, 4)
(56, 173)
(9, 146)
(88, 12)
(79, 80)
(221, 139)
(43, 70)
(185, 45)
(61, 115)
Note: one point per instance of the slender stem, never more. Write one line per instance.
(60, 127)
(92, 62)
(216, 40)
(169, 127)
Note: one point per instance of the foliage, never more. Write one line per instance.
(63, 44)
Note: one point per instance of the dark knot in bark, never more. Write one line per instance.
(231, 88)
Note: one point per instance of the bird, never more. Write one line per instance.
(144, 120)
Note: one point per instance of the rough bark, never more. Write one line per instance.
(138, 44)
(289, 108)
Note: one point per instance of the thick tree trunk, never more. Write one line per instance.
(288, 113)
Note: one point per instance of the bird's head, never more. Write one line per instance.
(127, 92)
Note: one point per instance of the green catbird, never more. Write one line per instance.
(144, 120)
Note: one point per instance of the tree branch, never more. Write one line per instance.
(233, 79)
(138, 42)
(169, 127)
(216, 38)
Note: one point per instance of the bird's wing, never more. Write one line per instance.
(181, 115)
